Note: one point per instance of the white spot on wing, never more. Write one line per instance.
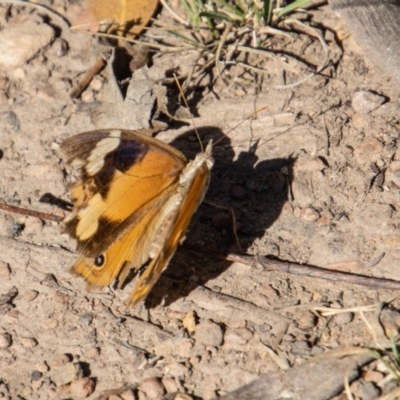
(95, 161)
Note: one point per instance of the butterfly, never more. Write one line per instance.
(132, 204)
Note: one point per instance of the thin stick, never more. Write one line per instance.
(303, 270)
(32, 213)
(87, 78)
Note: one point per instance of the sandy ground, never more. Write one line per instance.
(313, 179)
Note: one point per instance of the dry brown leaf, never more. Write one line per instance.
(130, 16)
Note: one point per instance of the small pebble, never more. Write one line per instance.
(344, 318)
(42, 367)
(86, 319)
(36, 384)
(169, 385)
(19, 74)
(96, 83)
(237, 337)
(5, 340)
(152, 388)
(183, 347)
(307, 320)
(183, 396)
(66, 373)
(364, 101)
(189, 322)
(92, 352)
(59, 360)
(59, 47)
(30, 295)
(309, 214)
(368, 391)
(36, 375)
(209, 334)
(176, 369)
(374, 376)
(61, 298)
(128, 395)
(82, 388)
(28, 342)
(5, 270)
(50, 323)
(301, 348)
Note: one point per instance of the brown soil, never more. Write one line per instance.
(312, 179)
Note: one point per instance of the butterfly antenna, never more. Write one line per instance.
(241, 122)
(187, 106)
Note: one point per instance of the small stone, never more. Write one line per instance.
(92, 352)
(315, 350)
(42, 367)
(96, 83)
(5, 340)
(370, 150)
(82, 388)
(365, 101)
(36, 375)
(237, 337)
(189, 322)
(59, 47)
(30, 295)
(128, 395)
(239, 323)
(209, 334)
(36, 384)
(63, 391)
(19, 74)
(60, 359)
(152, 388)
(28, 342)
(61, 298)
(5, 270)
(169, 385)
(50, 323)
(183, 396)
(87, 96)
(114, 397)
(301, 348)
(239, 192)
(368, 391)
(395, 165)
(222, 220)
(184, 347)
(374, 376)
(20, 43)
(307, 320)
(86, 319)
(309, 214)
(343, 318)
(67, 373)
(176, 315)
(176, 369)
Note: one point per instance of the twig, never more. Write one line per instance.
(87, 78)
(32, 213)
(303, 270)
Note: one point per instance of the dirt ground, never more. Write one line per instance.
(313, 179)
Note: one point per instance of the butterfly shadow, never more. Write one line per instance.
(256, 192)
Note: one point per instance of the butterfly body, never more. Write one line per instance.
(132, 204)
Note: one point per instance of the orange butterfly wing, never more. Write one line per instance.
(132, 205)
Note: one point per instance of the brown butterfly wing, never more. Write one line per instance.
(127, 178)
(193, 185)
